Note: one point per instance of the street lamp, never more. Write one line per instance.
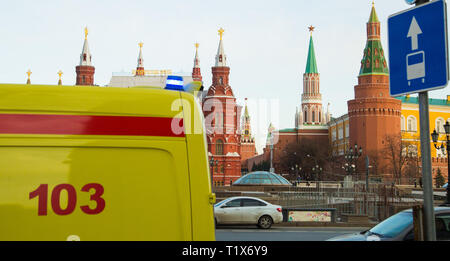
(353, 155)
(435, 137)
(296, 168)
(317, 170)
(212, 164)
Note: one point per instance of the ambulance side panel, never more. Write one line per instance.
(202, 197)
(107, 186)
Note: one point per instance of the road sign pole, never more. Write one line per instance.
(427, 179)
(425, 149)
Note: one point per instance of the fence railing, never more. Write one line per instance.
(378, 202)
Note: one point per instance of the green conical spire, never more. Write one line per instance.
(373, 15)
(373, 61)
(311, 64)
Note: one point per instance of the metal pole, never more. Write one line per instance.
(448, 171)
(271, 158)
(367, 185)
(367, 173)
(429, 223)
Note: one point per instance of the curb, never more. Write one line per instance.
(323, 224)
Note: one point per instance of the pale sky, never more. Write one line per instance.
(266, 44)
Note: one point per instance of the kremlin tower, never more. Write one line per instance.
(85, 70)
(373, 113)
(311, 112)
(196, 74)
(140, 62)
(248, 148)
(222, 122)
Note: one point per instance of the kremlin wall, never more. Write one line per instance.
(373, 116)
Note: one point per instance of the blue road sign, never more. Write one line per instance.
(417, 42)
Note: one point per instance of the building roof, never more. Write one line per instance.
(311, 64)
(431, 101)
(262, 178)
(126, 81)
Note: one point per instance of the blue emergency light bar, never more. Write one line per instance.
(174, 83)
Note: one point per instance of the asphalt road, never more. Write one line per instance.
(252, 233)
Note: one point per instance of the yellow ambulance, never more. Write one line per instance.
(97, 163)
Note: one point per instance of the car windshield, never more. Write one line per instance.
(221, 202)
(392, 226)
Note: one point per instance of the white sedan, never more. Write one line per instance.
(247, 210)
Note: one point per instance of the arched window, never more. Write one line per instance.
(402, 123)
(219, 147)
(313, 116)
(411, 123)
(440, 125)
(306, 116)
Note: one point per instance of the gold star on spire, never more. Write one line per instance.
(197, 45)
(85, 33)
(311, 29)
(221, 32)
(141, 44)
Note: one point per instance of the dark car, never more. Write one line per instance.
(399, 227)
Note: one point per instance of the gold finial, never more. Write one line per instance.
(197, 45)
(221, 32)
(85, 33)
(29, 74)
(311, 29)
(373, 3)
(140, 45)
(60, 73)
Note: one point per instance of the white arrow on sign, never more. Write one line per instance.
(414, 30)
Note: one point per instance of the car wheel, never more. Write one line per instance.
(265, 222)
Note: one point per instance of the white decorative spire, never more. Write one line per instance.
(85, 57)
(196, 59)
(140, 61)
(221, 58)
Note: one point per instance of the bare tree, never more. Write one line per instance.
(398, 154)
(301, 157)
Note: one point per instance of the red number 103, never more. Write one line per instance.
(42, 193)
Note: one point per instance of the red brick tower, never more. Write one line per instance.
(248, 148)
(85, 71)
(140, 62)
(222, 123)
(196, 74)
(373, 114)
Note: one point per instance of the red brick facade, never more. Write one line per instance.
(85, 75)
(222, 124)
